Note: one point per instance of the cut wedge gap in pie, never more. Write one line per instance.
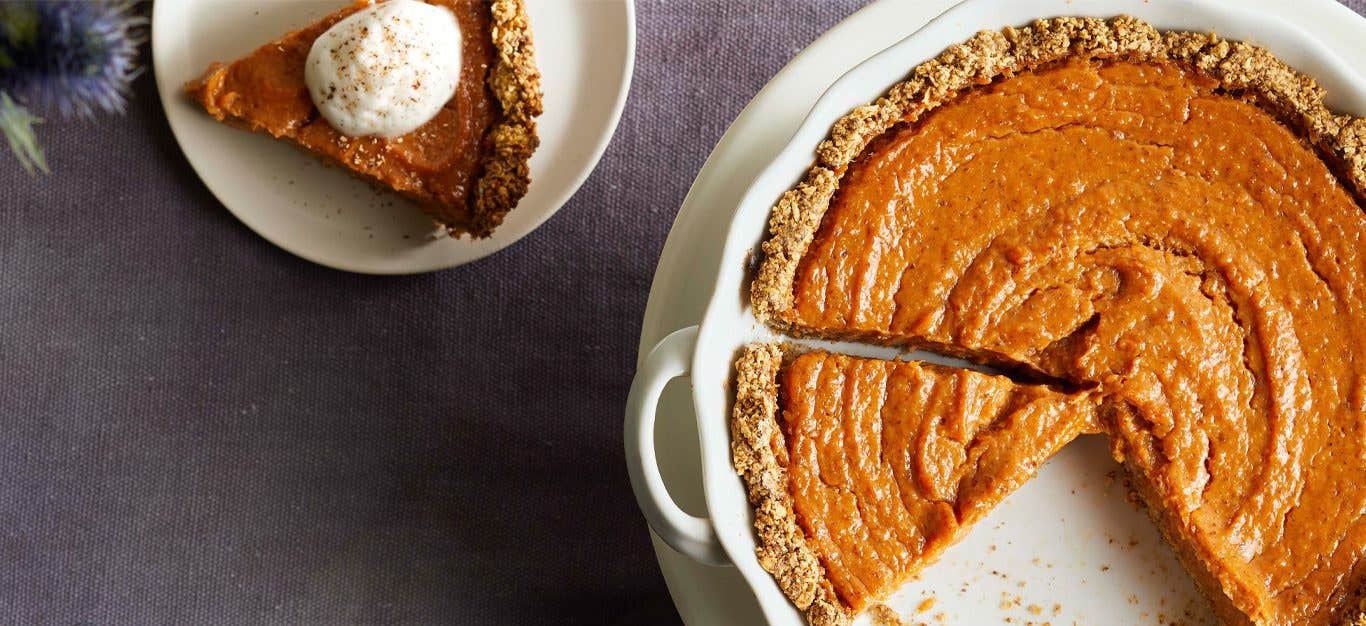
(862, 471)
(466, 168)
(1173, 222)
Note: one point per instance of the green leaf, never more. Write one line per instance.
(18, 30)
(17, 125)
(19, 24)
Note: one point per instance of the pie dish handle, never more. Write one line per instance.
(687, 533)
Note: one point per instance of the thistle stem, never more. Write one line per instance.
(17, 125)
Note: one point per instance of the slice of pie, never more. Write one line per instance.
(862, 471)
(1172, 218)
(467, 167)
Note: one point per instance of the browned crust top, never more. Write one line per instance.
(756, 442)
(516, 84)
(1237, 66)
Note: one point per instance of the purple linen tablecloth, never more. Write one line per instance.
(200, 428)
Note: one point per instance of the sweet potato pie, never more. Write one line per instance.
(1160, 233)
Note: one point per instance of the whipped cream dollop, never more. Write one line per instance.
(386, 69)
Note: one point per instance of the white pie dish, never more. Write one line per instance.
(707, 351)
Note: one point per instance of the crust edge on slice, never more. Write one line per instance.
(1237, 66)
(516, 84)
(755, 443)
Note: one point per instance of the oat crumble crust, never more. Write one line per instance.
(1237, 66)
(516, 84)
(756, 441)
(756, 438)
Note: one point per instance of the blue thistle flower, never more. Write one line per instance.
(75, 56)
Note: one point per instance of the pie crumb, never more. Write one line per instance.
(883, 615)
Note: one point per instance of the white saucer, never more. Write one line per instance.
(585, 49)
(684, 281)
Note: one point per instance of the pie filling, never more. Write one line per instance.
(1130, 226)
